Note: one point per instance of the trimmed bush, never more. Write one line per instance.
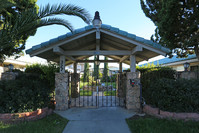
(35, 68)
(26, 93)
(149, 75)
(174, 95)
(46, 72)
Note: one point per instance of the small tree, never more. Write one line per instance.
(86, 72)
(96, 70)
(105, 71)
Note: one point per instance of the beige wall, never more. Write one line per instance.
(179, 66)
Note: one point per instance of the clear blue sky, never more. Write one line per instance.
(126, 15)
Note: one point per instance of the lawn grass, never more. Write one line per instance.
(110, 83)
(81, 84)
(155, 125)
(109, 93)
(86, 93)
(50, 124)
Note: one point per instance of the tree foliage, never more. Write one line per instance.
(86, 72)
(105, 71)
(177, 24)
(96, 72)
(15, 30)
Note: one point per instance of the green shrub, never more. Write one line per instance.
(46, 72)
(174, 95)
(35, 68)
(148, 75)
(111, 78)
(26, 93)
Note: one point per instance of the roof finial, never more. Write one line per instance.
(97, 21)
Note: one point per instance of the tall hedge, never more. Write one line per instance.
(46, 72)
(179, 95)
(86, 72)
(26, 93)
(152, 74)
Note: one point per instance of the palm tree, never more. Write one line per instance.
(29, 20)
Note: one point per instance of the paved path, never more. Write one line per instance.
(92, 120)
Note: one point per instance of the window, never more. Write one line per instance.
(194, 68)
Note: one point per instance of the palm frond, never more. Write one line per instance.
(44, 22)
(67, 9)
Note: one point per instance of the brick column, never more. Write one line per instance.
(133, 93)
(61, 91)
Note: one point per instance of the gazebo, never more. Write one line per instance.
(98, 39)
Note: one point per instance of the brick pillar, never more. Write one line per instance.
(61, 91)
(133, 93)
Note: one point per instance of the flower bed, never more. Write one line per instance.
(171, 115)
(26, 116)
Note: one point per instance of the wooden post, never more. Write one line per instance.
(75, 67)
(62, 64)
(132, 63)
(120, 66)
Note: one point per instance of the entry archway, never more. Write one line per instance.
(74, 47)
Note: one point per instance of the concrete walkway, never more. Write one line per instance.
(92, 120)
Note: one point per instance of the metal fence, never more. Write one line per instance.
(96, 91)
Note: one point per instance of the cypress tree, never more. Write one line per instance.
(105, 71)
(86, 71)
(95, 69)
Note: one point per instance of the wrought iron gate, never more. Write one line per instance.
(106, 91)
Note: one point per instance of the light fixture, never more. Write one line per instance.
(186, 66)
(10, 67)
(97, 21)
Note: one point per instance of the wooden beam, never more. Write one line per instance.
(91, 61)
(34, 53)
(78, 58)
(97, 34)
(107, 47)
(97, 39)
(120, 67)
(142, 57)
(70, 58)
(151, 48)
(117, 58)
(124, 58)
(60, 51)
(75, 67)
(100, 52)
(113, 43)
(137, 49)
(97, 46)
